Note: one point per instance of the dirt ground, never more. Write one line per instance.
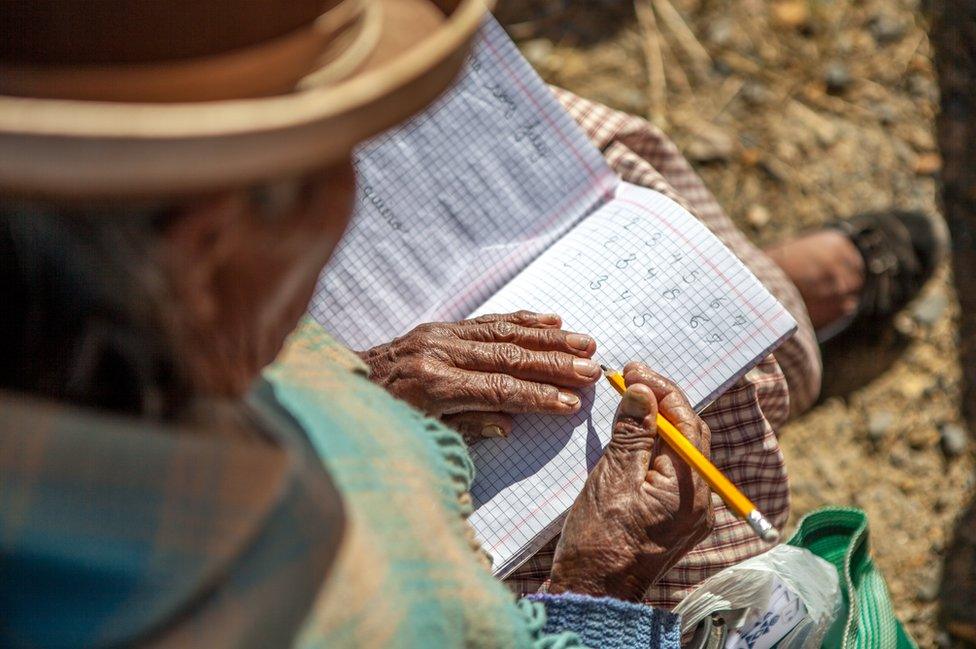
(797, 112)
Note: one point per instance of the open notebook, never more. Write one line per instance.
(493, 200)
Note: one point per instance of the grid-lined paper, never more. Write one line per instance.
(493, 200)
(650, 283)
(455, 202)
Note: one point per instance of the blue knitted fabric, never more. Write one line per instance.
(611, 623)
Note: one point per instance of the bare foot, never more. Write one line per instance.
(827, 269)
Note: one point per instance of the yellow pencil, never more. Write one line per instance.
(721, 485)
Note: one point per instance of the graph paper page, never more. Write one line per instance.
(650, 283)
(455, 202)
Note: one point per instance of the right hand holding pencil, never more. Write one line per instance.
(642, 507)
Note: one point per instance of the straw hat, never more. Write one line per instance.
(142, 97)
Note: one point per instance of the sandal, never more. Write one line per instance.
(901, 251)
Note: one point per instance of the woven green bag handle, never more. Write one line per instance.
(840, 535)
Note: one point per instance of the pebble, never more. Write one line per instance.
(887, 29)
(711, 146)
(757, 216)
(837, 77)
(915, 385)
(954, 439)
(929, 309)
(790, 14)
(886, 113)
(537, 50)
(898, 458)
(923, 87)
(929, 585)
(720, 31)
(928, 164)
(754, 93)
(879, 425)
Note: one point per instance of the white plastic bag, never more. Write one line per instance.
(787, 597)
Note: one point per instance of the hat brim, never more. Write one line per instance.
(54, 147)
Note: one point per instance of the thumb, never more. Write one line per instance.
(634, 427)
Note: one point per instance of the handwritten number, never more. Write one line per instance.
(623, 296)
(691, 277)
(609, 242)
(717, 302)
(642, 319)
(714, 338)
(651, 273)
(623, 263)
(655, 237)
(672, 293)
(698, 320)
(739, 320)
(598, 282)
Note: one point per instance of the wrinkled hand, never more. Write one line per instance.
(642, 507)
(474, 373)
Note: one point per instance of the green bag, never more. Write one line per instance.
(867, 621)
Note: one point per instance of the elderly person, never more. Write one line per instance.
(154, 257)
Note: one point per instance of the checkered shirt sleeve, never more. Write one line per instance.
(744, 420)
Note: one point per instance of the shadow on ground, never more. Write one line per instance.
(858, 358)
(954, 38)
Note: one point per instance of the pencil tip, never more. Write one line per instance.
(604, 367)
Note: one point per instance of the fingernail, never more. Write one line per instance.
(569, 398)
(578, 341)
(586, 367)
(637, 401)
(492, 431)
(548, 318)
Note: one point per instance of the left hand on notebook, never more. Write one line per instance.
(642, 507)
(473, 373)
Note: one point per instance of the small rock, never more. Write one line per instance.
(954, 439)
(928, 164)
(879, 425)
(915, 385)
(720, 31)
(537, 50)
(751, 156)
(790, 14)
(886, 114)
(929, 309)
(928, 587)
(905, 325)
(898, 458)
(757, 216)
(887, 29)
(837, 77)
(923, 87)
(754, 93)
(711, 145)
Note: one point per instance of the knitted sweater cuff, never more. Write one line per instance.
(611, 623)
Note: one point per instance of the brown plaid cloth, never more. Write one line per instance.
(744, 420)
